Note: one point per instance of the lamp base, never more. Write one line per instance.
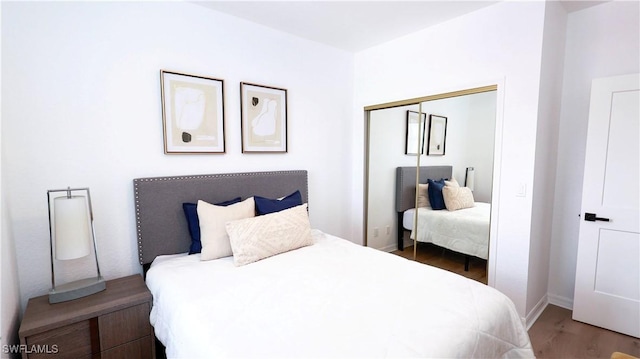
(78, 289)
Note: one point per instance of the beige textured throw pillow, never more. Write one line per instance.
(456, 198)
(213, 231)
(264, 236)
(423, 196)
(451, 183)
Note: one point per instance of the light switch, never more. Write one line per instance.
(522, 190)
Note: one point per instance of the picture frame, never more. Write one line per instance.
(192, 113)
(412, 135)
(437, 138)
(263, 113)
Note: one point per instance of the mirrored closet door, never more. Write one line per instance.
(445, 142)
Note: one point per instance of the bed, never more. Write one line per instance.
(329, 299)
(464, 230)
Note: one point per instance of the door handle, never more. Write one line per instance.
(591, 217)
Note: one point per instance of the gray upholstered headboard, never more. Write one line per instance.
(160, 220)
(406, 183)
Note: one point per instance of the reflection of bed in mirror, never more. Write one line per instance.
(465, 230)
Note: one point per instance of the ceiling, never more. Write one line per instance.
(355, 25)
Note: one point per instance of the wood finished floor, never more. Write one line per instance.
(554, 335)
(443, 258)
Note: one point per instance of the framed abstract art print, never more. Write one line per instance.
(263, 118)
(192, 113)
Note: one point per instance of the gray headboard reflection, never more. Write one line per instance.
(160, 221)
(406, 183)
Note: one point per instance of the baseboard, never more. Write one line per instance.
(559, 301)
(536, 311)
(389, 248)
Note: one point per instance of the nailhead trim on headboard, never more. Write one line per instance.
(178, 179)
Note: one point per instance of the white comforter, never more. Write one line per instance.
(333, 299)
(465, 231)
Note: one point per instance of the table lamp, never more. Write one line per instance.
(71, 232)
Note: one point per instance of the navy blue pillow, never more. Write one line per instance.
(435, 194)
(191, 212)
(266, 205)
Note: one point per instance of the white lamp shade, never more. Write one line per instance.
(470, 178)
(72, 229)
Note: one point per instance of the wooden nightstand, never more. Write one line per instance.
(113, 323)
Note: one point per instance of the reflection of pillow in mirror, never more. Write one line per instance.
(423, 195)
(435, 194)
(451, 182)
(456, 198)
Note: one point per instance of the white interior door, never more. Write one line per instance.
(607, 288)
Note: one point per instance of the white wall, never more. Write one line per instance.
(478, 114)
(10, 303)
(546, 152)
(10, 292)
(10, 298)
(81, 107)
(386, 152)
(601, 41)
(500, 42)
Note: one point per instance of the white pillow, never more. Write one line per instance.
(264, 236)
(456, 198)
(213, 233)
(451, 182)
(423, 195)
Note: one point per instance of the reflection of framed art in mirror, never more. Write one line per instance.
(412, 147)
(437, 135)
